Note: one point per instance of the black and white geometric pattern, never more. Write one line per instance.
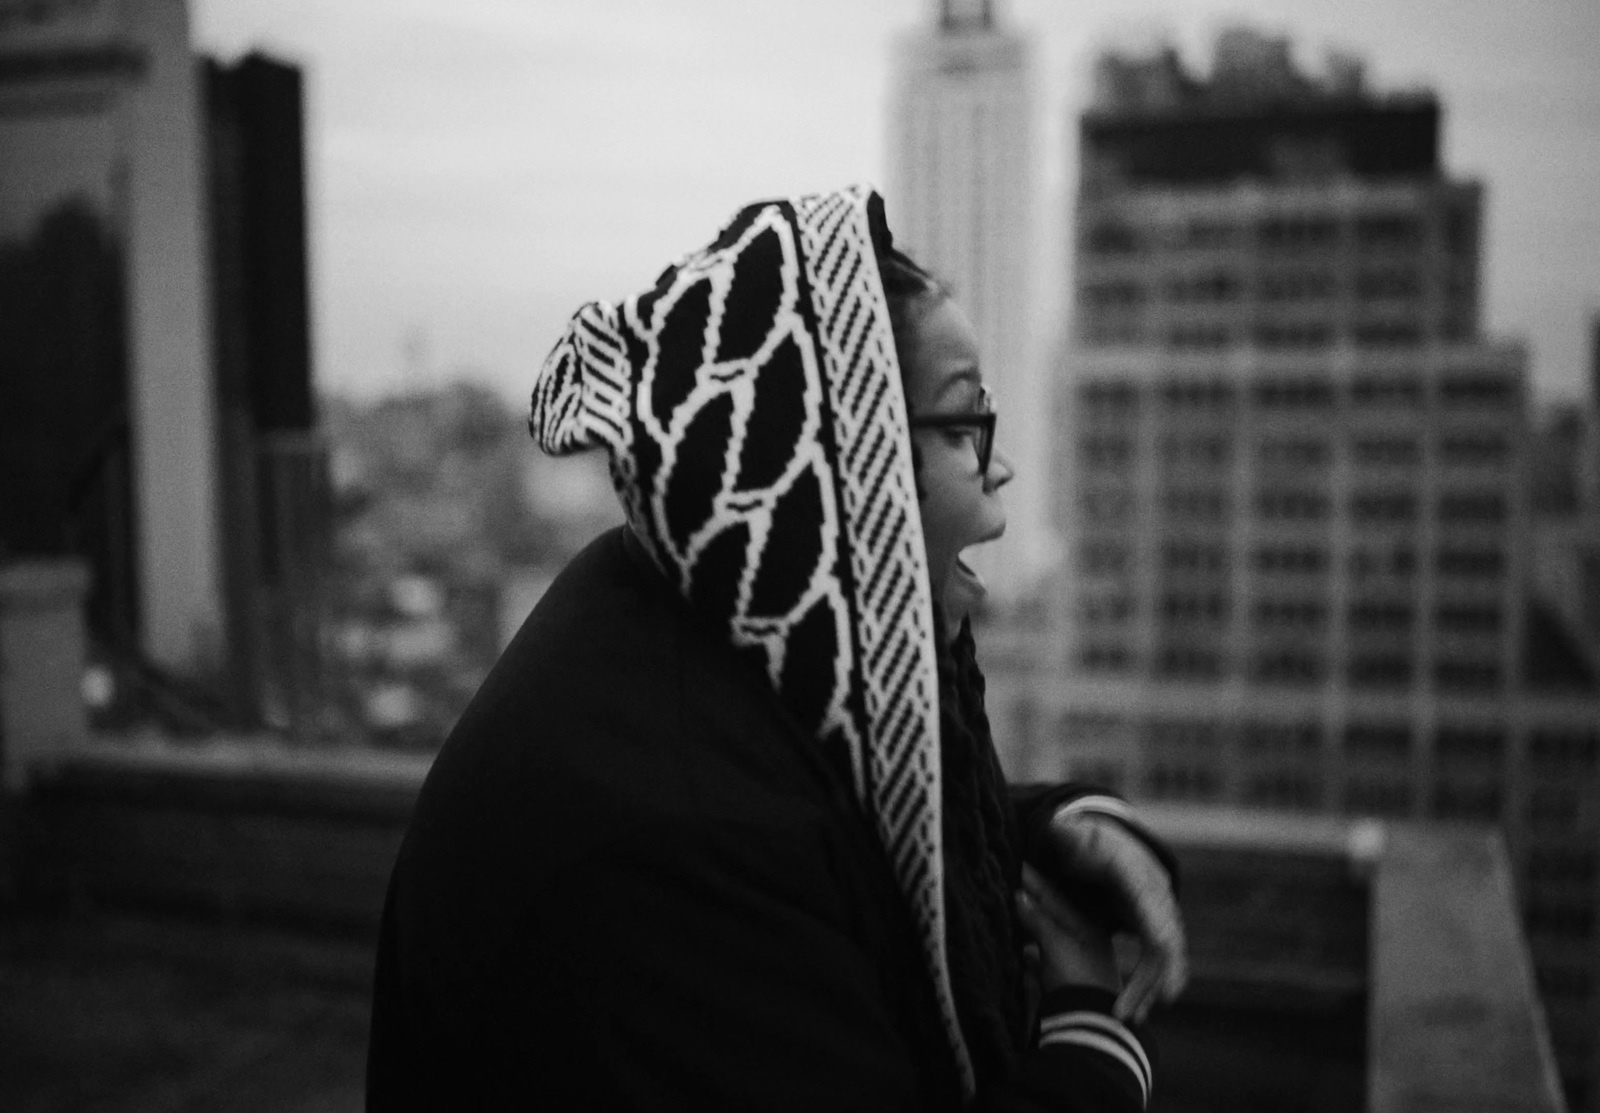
(752, 408)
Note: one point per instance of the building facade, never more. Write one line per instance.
(154, 304)
(100, 121)
(1295, 492)
(960, 197)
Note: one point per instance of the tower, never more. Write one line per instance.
(960, 199)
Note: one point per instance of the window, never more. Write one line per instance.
(1284, 738)
(1380, 616)
(1381, 798)
(1379, 670)
(1103, 557)
(1309, 453)
(1287, 666)
(1389, 231)
(1383, 506)
(1107, 775)
(1194, 556)
(1200, 504)
(1387, 451)
(1472, 506)
(1395, 391)
(1170, 781)
(1562, 866)
(1106, 505)
(1110, 609)
(1198, 336)
(1188, 608)
(1297, 233)
(1470, 563)
(1200, 235)
(1462, 745)
(1553, 808)
(1573, 985)
(1399, 561)
(1177, 662)
(1561, 751)
(1108, 395)
(1104, 657)
(1469, 619)
(1386, 334)
(1304, 614)
(1295, 285)
(1393, 282)
(1478, 390)
(1190, 394)
(1112, 451)
(1110, 237)
(1206, 450)
(1467, 449)
(1385, 740)
(1299, 393)
(1293, 335)
(1558, 919)
(1290, 561)
(1205, 286)
(1114, 295)
(1281, 788)
(1480, 802)
(1292, 505)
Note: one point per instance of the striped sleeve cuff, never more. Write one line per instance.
(1099, 804)
(1080, 1019)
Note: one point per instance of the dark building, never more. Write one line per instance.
(272, 458)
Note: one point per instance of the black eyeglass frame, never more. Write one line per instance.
(983, 422)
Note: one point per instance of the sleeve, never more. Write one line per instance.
(1036, 806)
(1111, 1065)
(696, 972)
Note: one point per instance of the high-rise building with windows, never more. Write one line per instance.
(102, 185)
(159, 418)
(960, 196)
(1294, 493)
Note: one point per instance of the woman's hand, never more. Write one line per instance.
(1072, 950)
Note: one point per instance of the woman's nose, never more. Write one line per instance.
(1001, 471)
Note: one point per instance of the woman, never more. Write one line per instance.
(723, 829)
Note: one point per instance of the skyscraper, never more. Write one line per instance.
(159, 419)
(960, 199)
(1294, 495)
(100, 122)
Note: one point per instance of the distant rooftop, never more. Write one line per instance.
(1255, 115)
(1249, 69)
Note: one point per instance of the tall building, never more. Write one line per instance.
(1295, 498)
(274, 458)
(100, 122)
(154, 322)
(960, 197)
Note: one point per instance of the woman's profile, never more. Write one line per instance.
(724, 828)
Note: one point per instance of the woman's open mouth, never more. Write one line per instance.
(968, 577)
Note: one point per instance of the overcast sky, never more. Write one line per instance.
(481, 167)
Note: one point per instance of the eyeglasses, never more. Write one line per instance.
(981, 421)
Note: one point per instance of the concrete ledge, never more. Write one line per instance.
(1456, 1021)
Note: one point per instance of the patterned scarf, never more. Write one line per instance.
(752, 408)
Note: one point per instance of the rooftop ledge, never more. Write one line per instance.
(1413, 926)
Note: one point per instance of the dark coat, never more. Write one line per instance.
(631, 884)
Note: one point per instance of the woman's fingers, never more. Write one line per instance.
(1072, 951)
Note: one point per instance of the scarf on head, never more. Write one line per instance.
(752, 408)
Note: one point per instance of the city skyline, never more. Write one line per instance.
(454, 229)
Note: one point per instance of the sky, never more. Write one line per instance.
(480, 168)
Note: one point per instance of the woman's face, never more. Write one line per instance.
(960, 506)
